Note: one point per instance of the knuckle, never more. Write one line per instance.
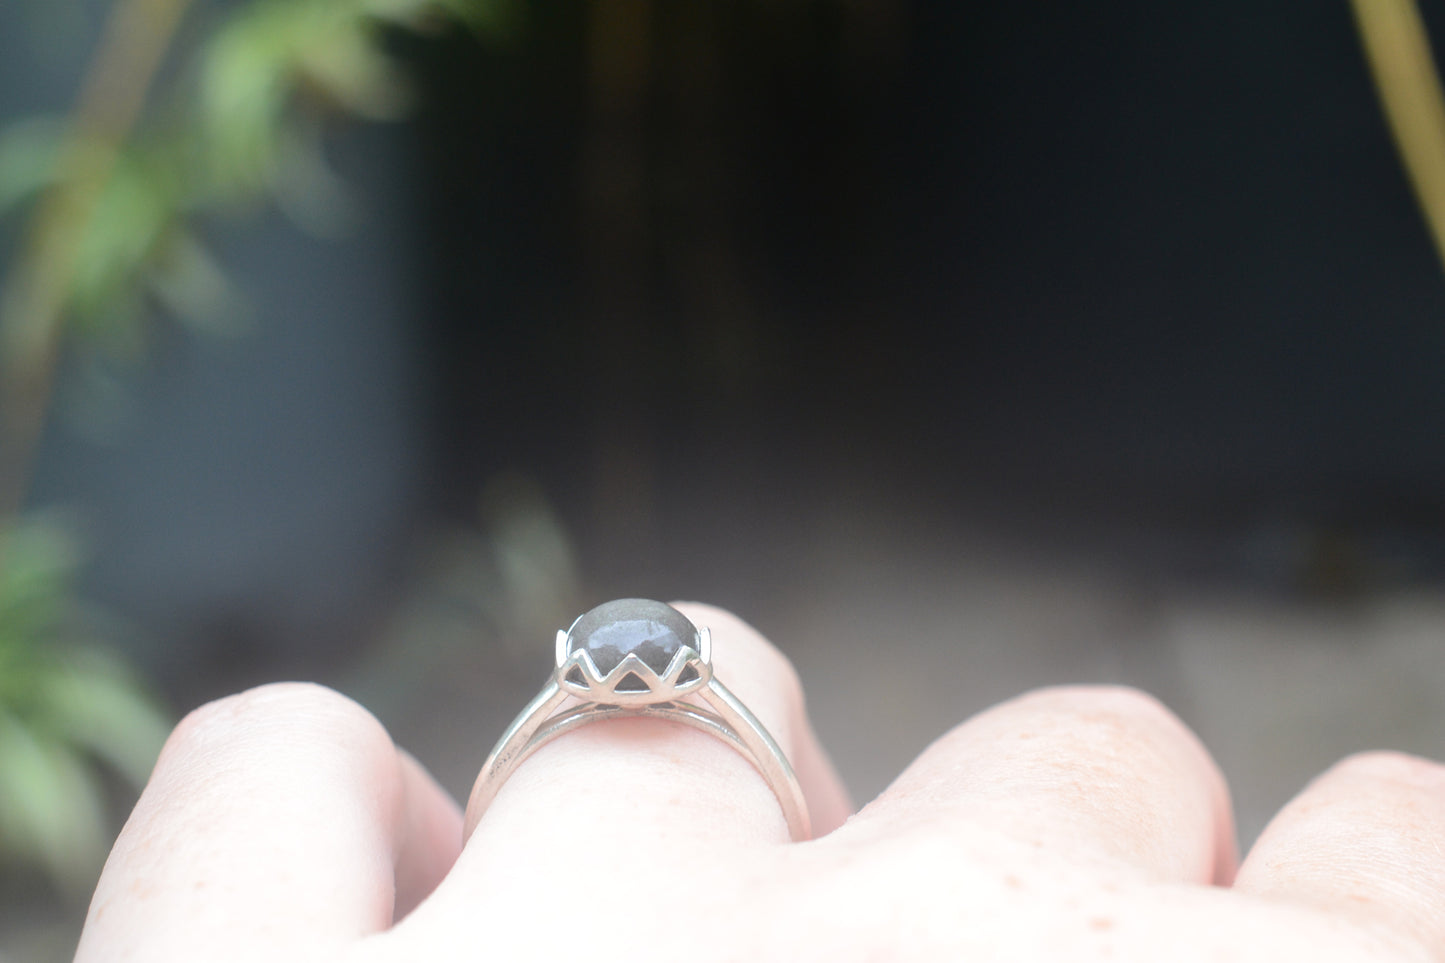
(277, 707)
(1104, 703)
(1112, 718)
(1389, 766)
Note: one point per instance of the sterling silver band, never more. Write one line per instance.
(666, 674)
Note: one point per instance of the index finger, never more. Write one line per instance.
(278, 821)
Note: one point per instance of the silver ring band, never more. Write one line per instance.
(638, 658)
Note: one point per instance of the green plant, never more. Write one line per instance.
(1397, 46)
(66, 703)
(111, 195)
(113, 192)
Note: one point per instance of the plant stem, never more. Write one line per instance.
(1398, 48)
(33, 299)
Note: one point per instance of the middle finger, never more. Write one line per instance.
(1094, 775)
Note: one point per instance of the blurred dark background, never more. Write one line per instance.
(1115, 272)
(959, 347)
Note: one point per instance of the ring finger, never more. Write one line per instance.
(647, 788)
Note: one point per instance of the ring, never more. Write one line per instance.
(636, 657)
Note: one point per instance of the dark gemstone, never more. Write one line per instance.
(652, 630)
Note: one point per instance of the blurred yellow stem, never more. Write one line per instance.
(1398, 47)
(34, 294)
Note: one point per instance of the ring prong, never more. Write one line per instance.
(580, 662)
(561, 647)
(630, 665)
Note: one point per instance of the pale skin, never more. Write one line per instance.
(1068, 824)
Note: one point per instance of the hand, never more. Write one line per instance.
(1069, 824)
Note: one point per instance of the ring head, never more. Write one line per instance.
(634, 657)
(631, 652)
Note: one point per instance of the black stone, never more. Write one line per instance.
(652, 630)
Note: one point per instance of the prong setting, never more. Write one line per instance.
(586, 682)
(632, 652)
(659, 667)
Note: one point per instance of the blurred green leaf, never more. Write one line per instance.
(66, 702)
(243, 87)
(346, 63)
(29, 158)
(308, 190)
(51, 808)
(130, 220)
(482, 17)
(96, 706)
(408, 13)
(194, 287)
(37, 558)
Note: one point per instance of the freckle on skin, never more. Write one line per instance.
(1013, 882)
(1101, 924)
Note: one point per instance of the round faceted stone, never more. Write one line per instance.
(653, 631)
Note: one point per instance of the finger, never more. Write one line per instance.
(660, 784)
(1100, 775)
(828, 801)
(1366, 840)
(279, 820)
(428, 839)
